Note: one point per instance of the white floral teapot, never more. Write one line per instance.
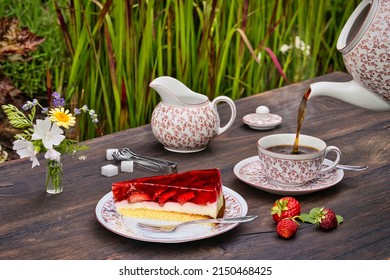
(365, 44)
(185, 121)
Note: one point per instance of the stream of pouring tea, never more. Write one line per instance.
(300, 118)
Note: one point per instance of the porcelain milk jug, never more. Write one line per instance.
(185, 121)
(365, 45)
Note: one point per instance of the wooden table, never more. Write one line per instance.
(35, 225)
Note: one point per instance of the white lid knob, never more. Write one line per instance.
(262, 110)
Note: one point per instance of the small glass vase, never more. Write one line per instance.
(54, 177)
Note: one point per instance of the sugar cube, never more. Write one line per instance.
(127, 166)
(109, 153)
(109, 170)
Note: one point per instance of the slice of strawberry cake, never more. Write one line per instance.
(185, 196)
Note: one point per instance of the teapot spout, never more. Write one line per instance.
(350, 92)
(175, 93)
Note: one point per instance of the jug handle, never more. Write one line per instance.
(232, 106)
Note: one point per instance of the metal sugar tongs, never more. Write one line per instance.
(154, 164)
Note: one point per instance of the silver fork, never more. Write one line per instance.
(170, 228)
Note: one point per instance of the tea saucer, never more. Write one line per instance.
(262, 122)
(249, 171)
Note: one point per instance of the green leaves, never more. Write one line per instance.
(306, 218)
(69, 146)
(17, 118)
(340, 219)
(280, 206)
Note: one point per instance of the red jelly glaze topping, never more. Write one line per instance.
(198, 186)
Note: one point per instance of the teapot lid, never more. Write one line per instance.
(262, 119)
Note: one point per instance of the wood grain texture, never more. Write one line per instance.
(35, 225)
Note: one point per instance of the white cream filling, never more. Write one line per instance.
(211, 209)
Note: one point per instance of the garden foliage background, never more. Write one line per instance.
(104, 53)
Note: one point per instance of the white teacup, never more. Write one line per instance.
(286, 169)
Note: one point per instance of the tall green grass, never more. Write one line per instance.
(215, 47)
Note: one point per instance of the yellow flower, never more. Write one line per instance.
(62, 117)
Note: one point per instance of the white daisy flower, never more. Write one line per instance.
(50, 134)
(26, 149)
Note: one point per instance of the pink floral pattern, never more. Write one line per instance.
(369, 61)
(106, 214)
(262, 121)
(250, 172)
(290, 172)
(184, 128)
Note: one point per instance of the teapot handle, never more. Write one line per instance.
(232, 106)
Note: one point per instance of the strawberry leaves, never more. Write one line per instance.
(318, 215)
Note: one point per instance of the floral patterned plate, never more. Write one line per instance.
(248, 171)
(110, 219)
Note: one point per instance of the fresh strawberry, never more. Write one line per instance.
(184, 197)
(165, 196)
(326, 219)
(286, 207)
(138, 197)
(287, 228)
(157, 193)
